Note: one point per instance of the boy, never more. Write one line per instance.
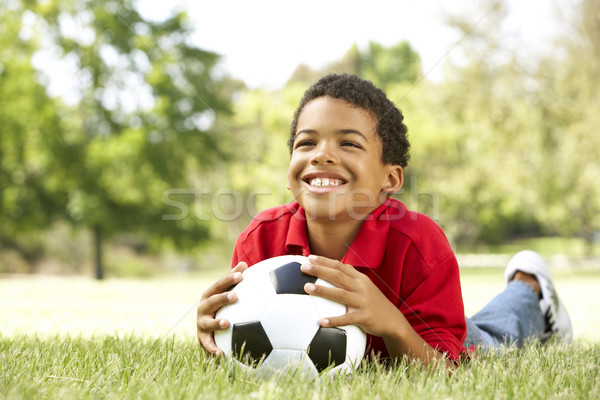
(393, 268)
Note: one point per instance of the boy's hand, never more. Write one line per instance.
(213, 298)
(367, 306)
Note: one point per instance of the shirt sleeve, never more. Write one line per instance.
(235, 257)
(252, 245)
(244, 249)
(435, 308)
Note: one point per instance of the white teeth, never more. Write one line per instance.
(325, 182)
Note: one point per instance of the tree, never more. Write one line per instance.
(384, 66)
(487, 164)
(30, 140)
(569, 100)
(140, 121)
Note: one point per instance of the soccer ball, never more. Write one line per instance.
(274, 324)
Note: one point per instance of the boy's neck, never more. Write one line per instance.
(329, 238)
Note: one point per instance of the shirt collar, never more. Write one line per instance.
(296, 241)
(368, 247)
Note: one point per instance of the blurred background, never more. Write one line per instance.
(138, 138)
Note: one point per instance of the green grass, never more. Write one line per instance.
(108, 367)
(74, 338)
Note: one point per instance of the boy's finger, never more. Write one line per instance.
(216, 301)
(324, 261)
(228, 280)
(233, 277)
(209, 325)
(332, 264)
(342, 320)
(333, 276)
(240, 267)
(223, 284)
(331, 293)
(209, 345)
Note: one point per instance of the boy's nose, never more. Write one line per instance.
(323, 155)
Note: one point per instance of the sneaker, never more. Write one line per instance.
(555, 314)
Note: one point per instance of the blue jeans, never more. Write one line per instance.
(510, 318)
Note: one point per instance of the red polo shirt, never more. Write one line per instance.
(404, 253)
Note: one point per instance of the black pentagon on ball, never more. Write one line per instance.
(328, 348)
(289, 279)
(250, 343)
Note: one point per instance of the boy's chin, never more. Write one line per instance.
(320, 210)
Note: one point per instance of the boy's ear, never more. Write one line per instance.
(395, 179)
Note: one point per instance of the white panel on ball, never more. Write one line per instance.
(325, 307)
(288, 361)
(254, 292)
(356, 343)
(290, 322)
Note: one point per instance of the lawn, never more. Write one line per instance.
(129, 367)
(77, 338)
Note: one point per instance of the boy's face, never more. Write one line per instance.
(336, 170)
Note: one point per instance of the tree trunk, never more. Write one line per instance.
(98, 247)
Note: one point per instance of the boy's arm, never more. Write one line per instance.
(403, 339)
(369, 309)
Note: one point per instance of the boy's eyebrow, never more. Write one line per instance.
(341, 131)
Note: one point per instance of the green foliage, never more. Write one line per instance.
(108, 367)
(482, 112)
(387, 66)
(384, 66)
(132, 148)
(568, 115)
(31, 147)
(506, 142)
(504, 146)
(29, 138)
(139, 122)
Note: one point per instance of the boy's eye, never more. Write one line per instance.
(304, 143)
(351, 144)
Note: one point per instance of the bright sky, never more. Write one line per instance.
(263, 41)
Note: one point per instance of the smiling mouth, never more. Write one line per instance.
(325, 182)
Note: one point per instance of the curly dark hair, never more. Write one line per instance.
(363, 94)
